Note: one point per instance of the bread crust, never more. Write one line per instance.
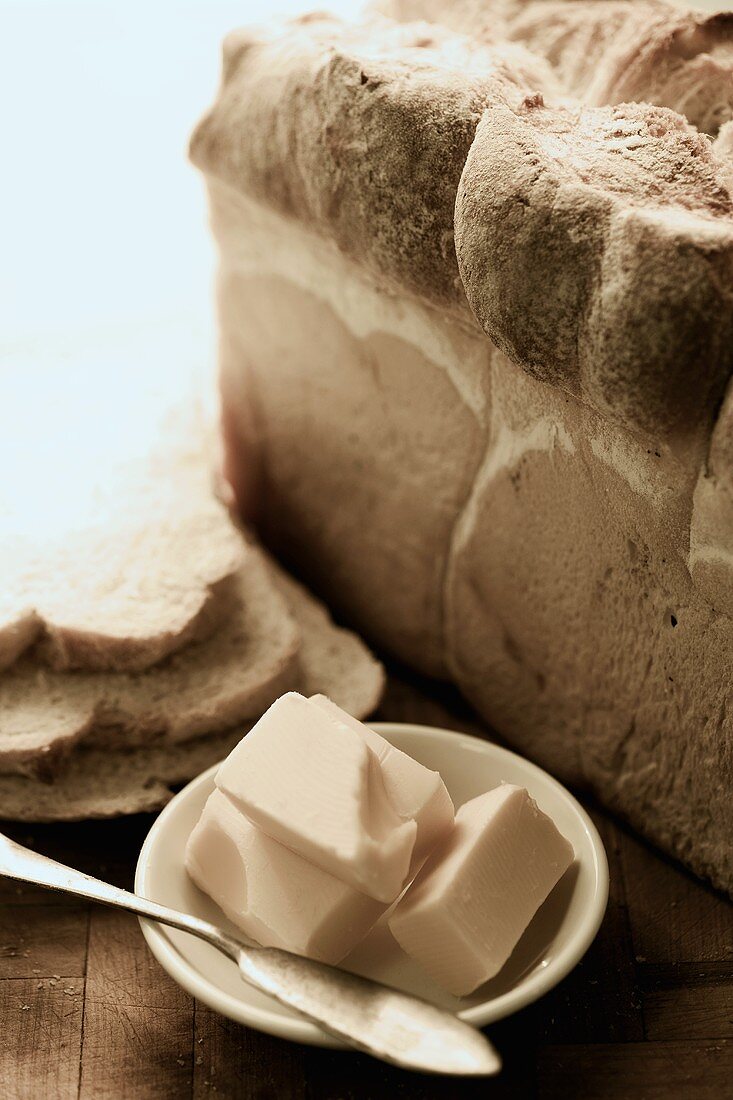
(607, 51)
(360, 133)
(596, 249)
(611, 278)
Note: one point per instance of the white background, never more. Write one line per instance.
(105, 259)
(102, 221)
(106, 266)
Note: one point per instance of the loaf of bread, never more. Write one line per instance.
(476, 313)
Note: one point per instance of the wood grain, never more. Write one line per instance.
(688, 1001)
(637, 1071)
(672, 919)
(38, 941)
(233, 1061)
(88, 1013)
(39, 1054)
(138, 1024)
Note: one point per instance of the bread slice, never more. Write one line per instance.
(202, 689)
(141, 579)
(107, 783)
(100, 783)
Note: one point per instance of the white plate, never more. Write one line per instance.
(555, 941)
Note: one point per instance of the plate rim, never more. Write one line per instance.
(263, 1019)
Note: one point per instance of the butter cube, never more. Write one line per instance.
(315, 786)
(276, 897)
(415, 791)
(477, 892)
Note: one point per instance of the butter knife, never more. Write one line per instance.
(372, 1017)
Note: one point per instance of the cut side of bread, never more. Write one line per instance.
(101, 782)
(202, 689)
(127, 590)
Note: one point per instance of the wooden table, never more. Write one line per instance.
(87, 1012)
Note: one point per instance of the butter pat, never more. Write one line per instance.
(415, 792)
(314, 785)
(464, 913)
(277, 898)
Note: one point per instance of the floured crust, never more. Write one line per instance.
(596, 249)
(618, 285)
(360, 132)
(342, 493)
(615, 52)
(608, 51)
(108, 782)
